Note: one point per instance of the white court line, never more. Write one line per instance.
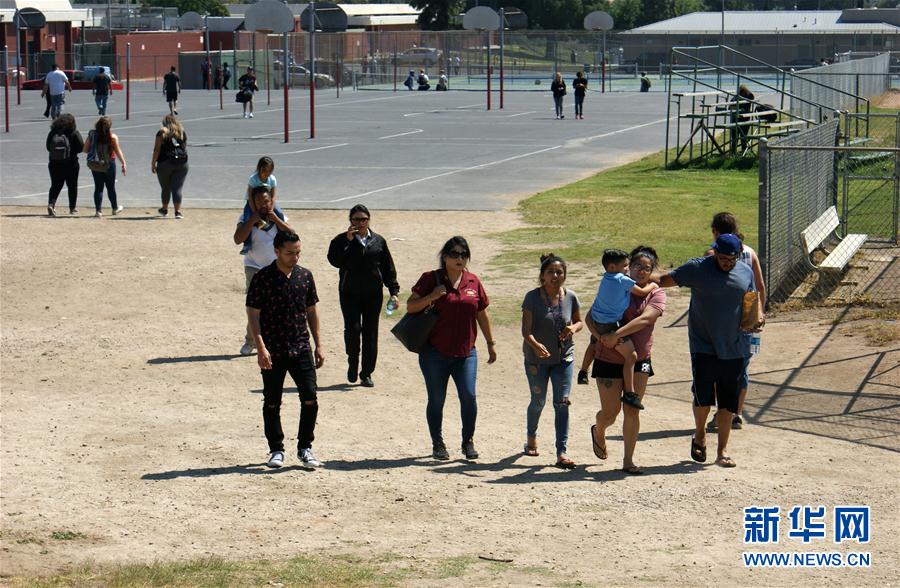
(414, 114)
(471, 105)
(433, 177)
(44, 193)
(292, 152)
(521, 114)
(402, 134)
(584, 140)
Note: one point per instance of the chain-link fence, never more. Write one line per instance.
(828, 212)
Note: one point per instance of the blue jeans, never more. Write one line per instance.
(56, 104)
(579, 105)
(100, 100)
(560, 375)
(558, 104)
(437, 369)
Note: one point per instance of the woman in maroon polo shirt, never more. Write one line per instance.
(460, 301)
(637, 323)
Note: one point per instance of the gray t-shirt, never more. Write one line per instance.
(714, 316)
(547, 322)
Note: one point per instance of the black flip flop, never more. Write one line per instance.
(599, 450)
(698, 453)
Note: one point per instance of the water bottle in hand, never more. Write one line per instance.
(391, 307)
(754, 344)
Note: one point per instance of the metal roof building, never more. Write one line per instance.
(791, 38)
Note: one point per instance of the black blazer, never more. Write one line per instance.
(363, 269)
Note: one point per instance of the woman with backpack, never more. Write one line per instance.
(170, 163)
(102, 147)
(64, 143)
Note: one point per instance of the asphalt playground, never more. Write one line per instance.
(403, 150)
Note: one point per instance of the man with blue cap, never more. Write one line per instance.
(718, 349)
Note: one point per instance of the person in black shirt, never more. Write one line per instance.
(558, 87)
(102, 90)
(247, 86)
(63, 165)
(171, 89)
(580, 85)
(366, 266)
(281, 308)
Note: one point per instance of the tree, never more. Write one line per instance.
(687, 6)
(625, 13)
(210, 7)
(436, 13)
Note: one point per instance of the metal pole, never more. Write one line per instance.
(284, 72)
(312, 70)
(268, 78)
(763, 207)
(488, 70)
(395, 62)
(155, 72)
(206, 46)
(18, 62)
(128, 81)
(221, 79)
(234, 48)
(502, 23)
(603, 65)
(721, 48)
(6, 86)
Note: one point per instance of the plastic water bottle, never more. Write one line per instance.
(391, 307)
(755, 342)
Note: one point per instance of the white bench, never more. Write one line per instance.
(815, 234)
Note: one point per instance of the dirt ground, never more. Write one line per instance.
(130, 420)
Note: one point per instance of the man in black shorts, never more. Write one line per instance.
(171, 89)
(281, 307)
(717, 284)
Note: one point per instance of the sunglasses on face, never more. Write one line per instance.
(360, 219)
(454, 254)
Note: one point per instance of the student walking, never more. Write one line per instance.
(171, 89)
(410, 80)
(366, 267)
(580, 85)
(247, 86)
(170, 163)
(264, 177)
(102, 91)
(461, 303)
(551, 315)
(102, 147)
(64, 143)
(260, 228)
(558, 87)
(281, 306)
(55, 85)
(645, 82)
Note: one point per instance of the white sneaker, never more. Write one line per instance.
(276, 460)
(98, 214)
(308, 459)
(247, 349)
(245, 115)
(251, 115)
(118, 209)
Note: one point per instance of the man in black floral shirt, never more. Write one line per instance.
(281, 306)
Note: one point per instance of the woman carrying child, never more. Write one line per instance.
(637, 324)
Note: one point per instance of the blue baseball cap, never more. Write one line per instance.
(728, 244)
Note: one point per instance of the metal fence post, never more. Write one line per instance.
(763, 245)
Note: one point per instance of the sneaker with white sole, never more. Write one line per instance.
(118, 209)
(308, 459)
(98, 214)
(276, 459)
(51, 211)
(247, 349)
(251, 115)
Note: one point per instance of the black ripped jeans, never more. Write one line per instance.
(303, 371)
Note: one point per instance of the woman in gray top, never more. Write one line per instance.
(550, 316)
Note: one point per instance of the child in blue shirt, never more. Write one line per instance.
(613, 297)
(261, 177)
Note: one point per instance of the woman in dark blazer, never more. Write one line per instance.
(366, 266)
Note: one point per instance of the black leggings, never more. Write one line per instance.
(171, 178)
(108, 179)
(65, 172)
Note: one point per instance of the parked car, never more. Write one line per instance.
(299, 76)
(419, 57)
(79, 80)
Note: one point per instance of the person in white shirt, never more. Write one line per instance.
(55, 84)
(263, 224)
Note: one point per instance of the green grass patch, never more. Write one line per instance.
(637, 203)
(380, 570)
(67, 535)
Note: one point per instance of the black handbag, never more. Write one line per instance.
(414, 329)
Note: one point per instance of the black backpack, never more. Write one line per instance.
(59, 147)
(176, 150)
